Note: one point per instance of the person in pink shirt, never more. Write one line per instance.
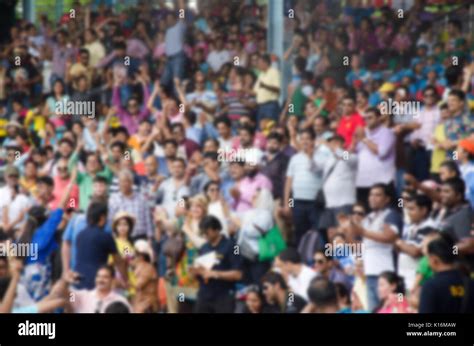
(391, 293)
(246, 189)
(98, 299)
(61, 180)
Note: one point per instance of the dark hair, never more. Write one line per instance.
(67, 141)
(393, 278)
(100, 179)
(180, 159)
(452, 166)
(170, 141)
(109, 268)
(300, 63)
(145, 256)
(120, 129)
(276, 136)
(423, 201)
(456, 23)
(118, 144)
(290, 255)
(457, 184)
(266, 58)
(120, 45)
(274, 278)
(95, 211)
(248, 128)
(309, 131)
(324, 119)
(374, 110)
(322, 292)
(458, 93)
(384, 187)
(224, 120)
(211, 155)
(342, 291)
(210, 183)
(442, 247)
(35, 218)
(117, 308)
(210, 222)
(47, 180)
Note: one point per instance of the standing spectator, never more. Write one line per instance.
(275, 164)
(350, 121)
(303, 181)
(94, 247)
(409, 246)
(449, 291)
(375, 148)
(267, 90)
(174, 47)
(174, 188)
(217, 284)
(378, 230)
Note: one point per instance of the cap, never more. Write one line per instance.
(123, 215)
(387, 87)
(467, 145)
(12, 170)
(142, 246)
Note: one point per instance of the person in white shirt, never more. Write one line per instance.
(218, 55)
(379, 230)
(13, 203)
(297, 274)
(409, 246)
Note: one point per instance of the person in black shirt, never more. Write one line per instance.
(216, 286)
(450, 290)
(458, 218)
(278, 296)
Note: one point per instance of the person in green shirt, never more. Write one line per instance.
(85, 180)
(424, 271)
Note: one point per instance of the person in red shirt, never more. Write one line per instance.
(349, 121)
(61, 180)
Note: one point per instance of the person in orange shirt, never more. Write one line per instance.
(349, 121)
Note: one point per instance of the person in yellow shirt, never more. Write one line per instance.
(439, 138)
(29, 180)
(267, 91)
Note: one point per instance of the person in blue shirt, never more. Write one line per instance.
(78, 223)
(94, 246)
(39, 233)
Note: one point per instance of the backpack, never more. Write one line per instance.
(309, 244)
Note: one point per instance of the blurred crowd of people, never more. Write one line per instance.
(154, 161)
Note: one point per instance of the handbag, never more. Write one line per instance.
(270, 244)
(174, 247)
